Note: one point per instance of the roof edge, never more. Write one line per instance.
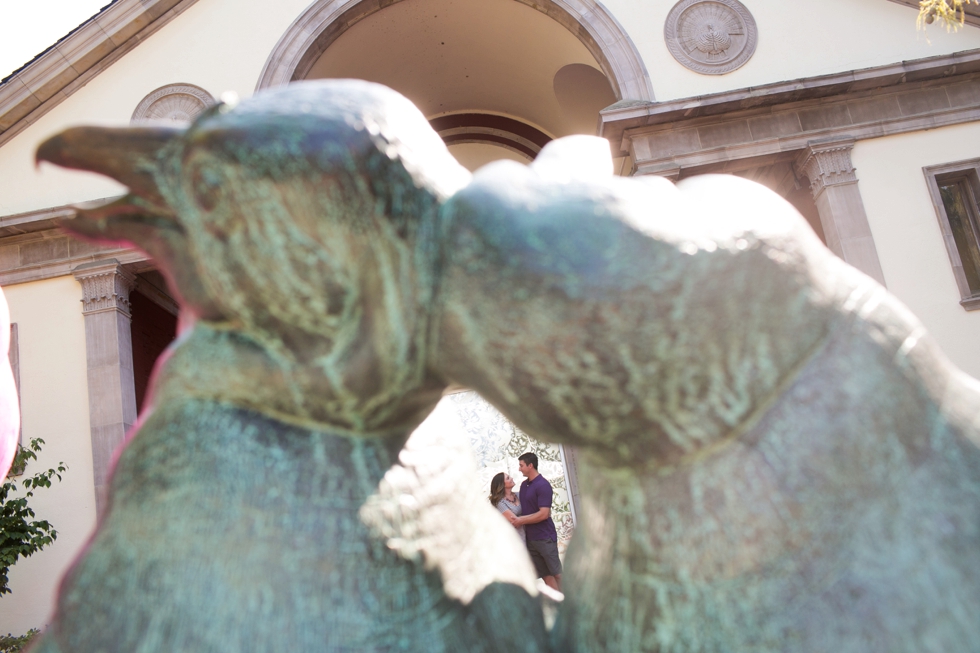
(616, 119)
(77, 58)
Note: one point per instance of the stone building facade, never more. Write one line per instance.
(870, 128)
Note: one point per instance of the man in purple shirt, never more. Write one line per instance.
(539, 528)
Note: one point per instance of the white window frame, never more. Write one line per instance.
(968, 174)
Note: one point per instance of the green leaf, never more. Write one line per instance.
(20, 535)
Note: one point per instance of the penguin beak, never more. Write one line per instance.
(129, 219)
(130, 155)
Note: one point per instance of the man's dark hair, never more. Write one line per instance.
(529, 458)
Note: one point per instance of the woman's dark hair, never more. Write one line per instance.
(497, 489)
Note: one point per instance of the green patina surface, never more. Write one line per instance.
(775, 457)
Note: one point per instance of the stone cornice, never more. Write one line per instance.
(53, 254)
(32, 221)
(621, 117)
(33, 248)
(73, 61)
(746, 138)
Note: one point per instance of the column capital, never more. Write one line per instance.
(827, 164)
(105, 287)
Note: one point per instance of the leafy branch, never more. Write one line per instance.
(950, 12)
(16, 643)
(20, 534)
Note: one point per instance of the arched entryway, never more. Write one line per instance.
(325, 20)
(497, 78)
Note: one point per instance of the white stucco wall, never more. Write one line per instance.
(219, 45)
(222, 45)
(54, 406)
(907, 234)
(797, 38)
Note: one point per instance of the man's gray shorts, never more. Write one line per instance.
(544, 554)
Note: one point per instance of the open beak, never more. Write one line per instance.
(130, 155)
(129, 219)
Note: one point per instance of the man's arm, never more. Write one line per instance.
(540, 515)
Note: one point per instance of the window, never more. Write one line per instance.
(955, 189)
(14, 358)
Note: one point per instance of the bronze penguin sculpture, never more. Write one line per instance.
(775, 455)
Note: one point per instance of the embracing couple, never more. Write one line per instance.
(530, 512)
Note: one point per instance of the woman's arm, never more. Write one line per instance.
(539, 516)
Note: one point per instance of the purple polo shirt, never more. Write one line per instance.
(535, 495)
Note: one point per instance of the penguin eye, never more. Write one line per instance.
(206, 185)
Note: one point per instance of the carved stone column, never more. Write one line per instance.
(834, 184)
(109, 352)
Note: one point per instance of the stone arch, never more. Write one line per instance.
(325, 20)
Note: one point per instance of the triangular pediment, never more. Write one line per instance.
(41, 84)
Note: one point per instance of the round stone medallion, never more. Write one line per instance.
(177, 103)
(712, 37)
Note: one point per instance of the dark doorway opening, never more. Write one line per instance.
(153, 329)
